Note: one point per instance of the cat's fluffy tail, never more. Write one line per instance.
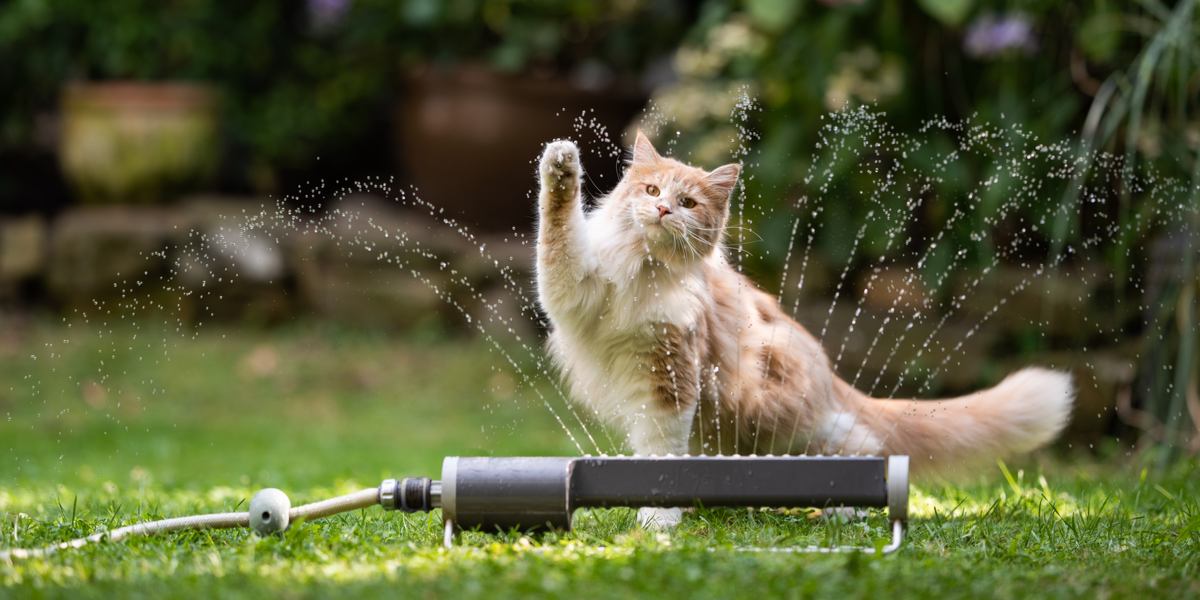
(1025, 411)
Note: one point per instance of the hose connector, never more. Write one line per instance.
(411, 494)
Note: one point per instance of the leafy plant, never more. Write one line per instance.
(621, 37)
(305, 79)
(1147, 112)
(1125, 85)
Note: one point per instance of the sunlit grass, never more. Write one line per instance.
(319, 412)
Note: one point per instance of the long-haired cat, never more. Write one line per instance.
(661, 338)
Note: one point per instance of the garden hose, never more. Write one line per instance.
(269, 512)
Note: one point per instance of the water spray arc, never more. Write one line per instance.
(537, 493)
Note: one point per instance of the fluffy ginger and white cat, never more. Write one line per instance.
(663, 340)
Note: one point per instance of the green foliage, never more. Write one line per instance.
(1099, 35)
(772, 14)
(949, 12)
(296, 83)
(514, 35)
(936, 59)
(261, 55)
(975, 91)
(1147, 111)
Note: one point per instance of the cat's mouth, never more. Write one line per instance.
(661, 232)
(658, 229)
(664, 238)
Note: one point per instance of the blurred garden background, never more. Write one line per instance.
(237, 233)
(131, 129)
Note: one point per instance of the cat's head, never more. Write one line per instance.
(676, 211)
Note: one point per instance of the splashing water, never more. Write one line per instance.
(928, 287)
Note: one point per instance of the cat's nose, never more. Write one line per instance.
(663, 210)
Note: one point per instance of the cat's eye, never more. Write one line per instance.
(687, 202)
(652, 190)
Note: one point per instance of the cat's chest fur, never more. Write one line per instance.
(610, 348)
(630, 313)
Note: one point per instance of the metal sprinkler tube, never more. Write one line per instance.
(544, 492)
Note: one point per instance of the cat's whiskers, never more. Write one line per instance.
(688, 236)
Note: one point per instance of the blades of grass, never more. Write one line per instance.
(1162, 490)
(1170, 46)
(1156, 8)
(1184, 360)
(1187, 322)
(1182, 66)
(1159, 319)
(1148, 72)
(1008, 476)
(1045, 487)
(1085, 153)
(1144, 70)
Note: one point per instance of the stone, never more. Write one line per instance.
(1055, 304)
(240, 234)
(375, 265)
(893, 289)
(235, 263)
(99, 253)
(22, 248)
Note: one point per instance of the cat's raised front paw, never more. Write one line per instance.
(658, 519)
(560, 168)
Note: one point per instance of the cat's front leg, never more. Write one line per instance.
(660, 433)
(663, 425)
(562, 243)
(559, 174)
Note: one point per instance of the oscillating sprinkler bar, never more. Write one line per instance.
(544, 493)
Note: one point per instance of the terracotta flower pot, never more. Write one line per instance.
(469, 138)
(137, 141)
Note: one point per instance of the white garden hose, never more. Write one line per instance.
(269, 512)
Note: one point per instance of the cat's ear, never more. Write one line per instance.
(643, 150)
(723, 178)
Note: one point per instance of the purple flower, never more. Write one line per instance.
(326, 14)
(990, 36)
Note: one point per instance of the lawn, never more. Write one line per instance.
(106, 426)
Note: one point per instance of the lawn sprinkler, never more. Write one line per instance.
(538, 493)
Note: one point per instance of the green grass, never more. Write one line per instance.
(105, 428)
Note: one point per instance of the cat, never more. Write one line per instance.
(662, 339)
